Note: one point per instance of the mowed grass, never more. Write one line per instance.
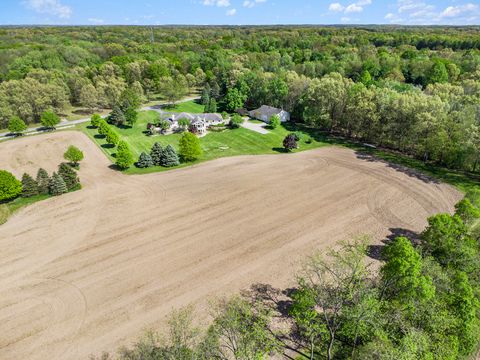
(214, 145)
(191, 106)
(7, 209)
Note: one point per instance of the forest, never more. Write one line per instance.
(411, 89)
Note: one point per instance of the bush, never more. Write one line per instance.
(10, 186)
(112, 137)
(235, 121)
(190, 149)
(289, 143)
(169, 157)
(144, 161)
(49, 119)
(16, 125)
(29, 186)
(156, 153)
(124, 157)
(69, 175)
(57, 185)
(95, 120)
(43, 181)
(103, 127)
(308, 140)
(274, 122)
(73, 154)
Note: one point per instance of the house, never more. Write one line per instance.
(199, 123)
(265, 112)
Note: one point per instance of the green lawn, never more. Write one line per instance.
(7, 209)
(215, 144)
(188, 106)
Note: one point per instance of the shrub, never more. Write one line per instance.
(124, 157)
(112, 137)
(73, 154)
(49, 119)
(467, 211)
(274, 122)
(156, 153)
(16, 125)
(289, 143)
(308, 140)
(69, 175)
(235, 121)
(169, 157)
(95, 120)
(144, 161)
(57, 185)
(43, 181)
(190, 149)
(10, 186)
(103, 127)
(29, 186)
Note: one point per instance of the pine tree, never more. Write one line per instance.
(69, 175)
(156, 153)
(43, 181)
(144, 161)
(169, 157)
(29, 186)
(57, 185)
(117, 116)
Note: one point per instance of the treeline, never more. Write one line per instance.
(422, 303)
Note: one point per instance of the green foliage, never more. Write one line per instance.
(169, 157)
(156, 154)
(274, 122)
(211, 107)
(184, 123)
(124, 157)
(234, 100)
(10, 187)
(290, 142)
(69, 176)
(57, 185)
(16, 125)
(131, 116)
(112, 137)
(43, 181)
(144, 161)
(95, 120)
(189, 145)
(103, 127)
(73, 154)
(235, 121)
(117, 117)
(467, 211)
(29, 186)
(49, 119)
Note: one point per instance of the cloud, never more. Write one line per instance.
(96, 20)
(337, 7)
(219, 3)
(355, 7)
(49, 7)
(454, 11)
(252, 3)
(231, 12)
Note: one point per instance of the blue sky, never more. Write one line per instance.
(239, 12)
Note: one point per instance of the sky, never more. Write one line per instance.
(239, 12)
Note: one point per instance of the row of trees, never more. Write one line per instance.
(421, 304)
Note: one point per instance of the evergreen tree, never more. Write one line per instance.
(169, 157)
(43, 181)
(131, 116)
(57, 185)
(112, 137)
(29, 186)
(156, 153)
(205, 99)
(124, 157)
(69, 175)
(117, 116)
(144, 161)
(289, 143)
(212, 106)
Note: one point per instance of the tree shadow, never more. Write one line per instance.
(280, 150)
(99, 136)
(375, 251)
(91, 127)
(108, 146)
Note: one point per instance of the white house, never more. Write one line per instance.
(265, 112)
(198, 122)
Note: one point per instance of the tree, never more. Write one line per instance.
(274, 122)
(16, 126)
(95, 120)
(88, 97)
(184, 123)
(103, 127)
(467, 211)
(112, 137)
(212, 106)
(131, 116)
(117, 117)
(190, 149)
(438, 73)
(234, 100)
(290, 143)
(49, 119)
(43, 181)
(69, 176)
(124, 157)
(10, 187)
(169, 157)
(156, 154)
(57, 185)
(29, 186)
(73, 154)
(205, 99)
(144, 161)
(235, 121)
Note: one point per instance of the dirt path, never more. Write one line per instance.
(88, 271)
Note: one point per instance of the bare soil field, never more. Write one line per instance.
(88, 271)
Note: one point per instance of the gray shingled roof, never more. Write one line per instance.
(269, 111)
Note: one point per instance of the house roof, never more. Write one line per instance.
(265, 110)
(211, 117)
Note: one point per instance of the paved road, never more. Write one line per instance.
(260, 128)
(68, 124)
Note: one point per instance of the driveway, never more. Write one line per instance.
(254, 126)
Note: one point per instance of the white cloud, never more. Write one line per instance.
(219, 3)
(353, 8)
(345, 19)
(337, 7)
(454, 11)
(231, 12)
(251, 3)
(50, 7)
(364, 2)
(96, 20)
